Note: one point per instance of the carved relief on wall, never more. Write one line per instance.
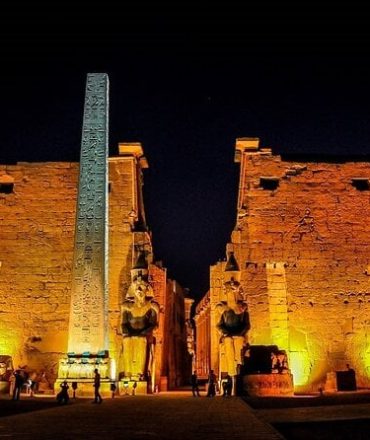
(242, 216)
(87, 322)
(305, 227)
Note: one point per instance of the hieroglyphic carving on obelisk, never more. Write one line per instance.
(88, 314)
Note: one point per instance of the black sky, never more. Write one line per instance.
(186, 84)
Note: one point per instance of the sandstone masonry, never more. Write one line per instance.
(302, 241)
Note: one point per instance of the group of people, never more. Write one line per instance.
(212, 385)
(20, 379)
(63, 396)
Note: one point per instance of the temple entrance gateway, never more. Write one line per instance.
(61, 315)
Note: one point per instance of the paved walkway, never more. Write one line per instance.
(315, 414)
(165, 416)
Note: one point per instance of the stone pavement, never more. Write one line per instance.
(175, 416)
(315, 414)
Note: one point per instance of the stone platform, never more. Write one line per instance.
(4, 387)
(262, 385)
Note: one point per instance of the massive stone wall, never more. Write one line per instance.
(36, 250)
(204, 334)
(303, 244)
(176, 361)
(36, 244)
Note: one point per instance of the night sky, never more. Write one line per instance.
(186, 85)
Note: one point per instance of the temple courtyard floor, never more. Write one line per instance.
(178, 415)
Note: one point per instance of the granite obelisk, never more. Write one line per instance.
(89, 296)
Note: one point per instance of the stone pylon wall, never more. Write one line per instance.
(36, 246)
(36, 251)
(304, 252)
(203, 337)
(158, 277)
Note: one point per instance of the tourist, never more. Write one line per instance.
(194, 384)
(134, 386)
(229, 385)
(33, 386)
(211, 384)
(28, 385)
(18, 383)
(74, 388)
(63, 396)
(224, 388)
(98, 398)
(125, 386)
(113, 389)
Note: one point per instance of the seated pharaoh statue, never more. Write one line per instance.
(233, 320)
(139, 314)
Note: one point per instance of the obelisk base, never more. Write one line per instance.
(78, 371)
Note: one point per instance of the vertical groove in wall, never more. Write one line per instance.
(278, 307)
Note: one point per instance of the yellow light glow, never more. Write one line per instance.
(113, 369)
(8, 342)
(299, 363)
(366, 360)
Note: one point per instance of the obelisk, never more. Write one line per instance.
(89, 296)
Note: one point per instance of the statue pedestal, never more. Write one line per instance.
(4, 387)
(340, 381)
(82, 366)
(126, 387)
(263, 385)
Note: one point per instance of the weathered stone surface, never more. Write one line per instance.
(89, 294)
(37, 222)
(263, 385)
(304, 252)
(176, 359)
(36, 246)
(312, 229)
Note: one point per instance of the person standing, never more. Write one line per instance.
(113, 388)
(224, 387)
(134, 386)
(98, 398)
(18, 383)
(211, 384)
(194, 384)
(63, 396)
(33, 377)
(229, 385)
(74, 388)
